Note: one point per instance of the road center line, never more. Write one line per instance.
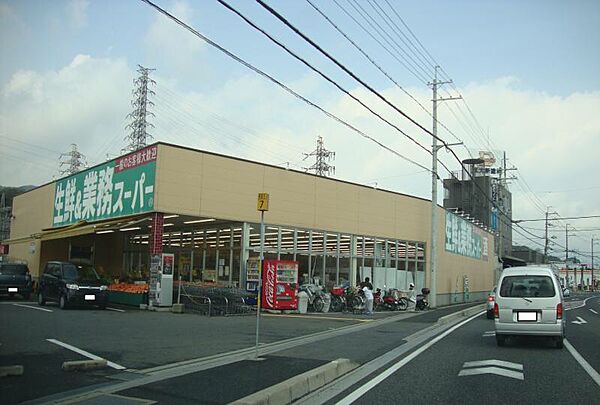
(32, 307)
(85, 354)
(115, 309)
(381, 377)
(586, 366)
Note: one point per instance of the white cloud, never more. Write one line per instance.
(169, 46)
(554, 141)
(84, 103)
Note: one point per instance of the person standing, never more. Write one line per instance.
(368, 292)
(412, 298)
(366, 283)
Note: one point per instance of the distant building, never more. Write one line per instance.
(472, 195)
(533, 256)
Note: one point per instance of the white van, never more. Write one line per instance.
(529, 301)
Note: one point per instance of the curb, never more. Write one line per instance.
(461, 314)
(296, 387)
(84, 365)
(11, 370)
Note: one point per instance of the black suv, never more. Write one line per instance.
(15, 279)
(70, 284)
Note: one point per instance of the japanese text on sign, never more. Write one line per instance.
(464, 239)
(118, 188)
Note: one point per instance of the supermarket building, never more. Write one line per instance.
(202, 207)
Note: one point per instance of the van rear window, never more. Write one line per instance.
(527, 286)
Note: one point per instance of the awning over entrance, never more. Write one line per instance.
(80, 228)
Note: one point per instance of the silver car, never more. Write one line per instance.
(529, 301)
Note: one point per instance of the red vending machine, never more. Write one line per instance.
(280, 284)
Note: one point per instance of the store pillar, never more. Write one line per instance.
(161, 266)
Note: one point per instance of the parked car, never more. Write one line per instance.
(491, 300)
(529, 301)
(15, 279)
(71, 284)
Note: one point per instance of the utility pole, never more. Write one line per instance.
(434, 179)
(546, 234)
(322, 155)
(73, 160)
(593, 286)
(567, 254)
(138, 137)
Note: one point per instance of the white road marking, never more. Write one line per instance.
(591, 310)
(586, 366)
(489, 333)
(492, 370)
(500, 363)
(381, 377)
(32, 307)
(86, 354)
(115, 309)
(579, 321)
(582, 305)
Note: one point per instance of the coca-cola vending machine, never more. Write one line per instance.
(280, 284)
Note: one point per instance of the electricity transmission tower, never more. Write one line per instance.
(138, 135)
(322, 155)
(71, 162)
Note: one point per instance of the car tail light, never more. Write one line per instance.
(496, 311)
(559, 311)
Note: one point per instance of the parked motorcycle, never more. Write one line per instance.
(392, 301)
(338, 299)
(422, 301)
(316, 296)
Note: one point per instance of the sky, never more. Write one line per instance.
(527, 72)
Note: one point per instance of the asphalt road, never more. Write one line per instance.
(531, 369)
(139, 341)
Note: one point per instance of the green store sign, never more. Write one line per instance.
(122, 187)
(465, 239)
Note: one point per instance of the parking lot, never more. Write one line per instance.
(131, 340)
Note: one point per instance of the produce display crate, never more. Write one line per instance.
(125, 298)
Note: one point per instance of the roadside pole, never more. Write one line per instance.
(262, 205)
(434, 179)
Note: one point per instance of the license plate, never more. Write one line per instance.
(90, 297)
(527, 316)
(13, 289)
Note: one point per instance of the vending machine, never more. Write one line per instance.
(280, 284)
(161, 280)
(252, 274)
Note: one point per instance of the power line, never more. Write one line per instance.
(402, 37)
(320, 73)
(372, 61)
(562, 218)
(278, 83)
(410, 69)
(398, 46)
(272, 79)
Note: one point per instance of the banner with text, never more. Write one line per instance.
(463, 238)
(122, 187)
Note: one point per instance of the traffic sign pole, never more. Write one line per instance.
(262, 205)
